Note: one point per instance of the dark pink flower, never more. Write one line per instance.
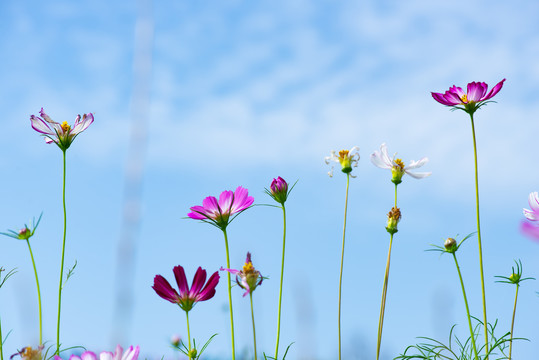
(219, 213)
(248, 278)
(60, 134)
(130, 354)
(532, 215)
(279, 190)
(187, 298)
(475, 97)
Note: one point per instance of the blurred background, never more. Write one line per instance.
(193, 98)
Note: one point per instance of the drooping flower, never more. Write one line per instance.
(130, 354)
(382, 160)
(60, 134)
(279, 190)
(220, 213)
(248, 278)
(528, 227)
(347, 158)
(475, 97)
(187, 298)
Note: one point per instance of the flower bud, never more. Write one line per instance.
(25, 233)
(393, 218)
(192, 353)
(514, 278)
(450, 245)
(175, 340)
(279, 190)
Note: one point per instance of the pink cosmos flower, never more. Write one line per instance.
(60, 134)
(218, 213)
(475, 97)
(248, 278)
(130, 354)
(187, 297)
(532, 215)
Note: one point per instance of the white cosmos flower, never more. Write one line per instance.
(347, 159)
(382, 160)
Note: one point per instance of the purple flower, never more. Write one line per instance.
(248, 278)
(475, 97)
(532, 215)
(279, 190)
(130, 354)
(60, 134)
(187, 297)
(218, 213)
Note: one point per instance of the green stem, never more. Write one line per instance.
(513, 323)
(63, 253)
(342, 258)
(188, 331)
(38, 294)
(281, 286)
(1, 343)
(396, 195)
(230, 295)
(253, 318)
(485, 323)
(383, 302)
(467, 308)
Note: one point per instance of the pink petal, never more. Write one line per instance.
(457, 90)
(198, 282)
(242, 200)
(530, 230)
(197, 213)
(46, 117)
(105, 355)
(440, 98)
(162, 288)
(494, 90)
(88, 355)
(476, 90)
(226, 200)
(232, 271)
(131, 353)
(40, 126)
(533, 200)
(209, 290)
(118, 353)
(74, 357)
(181, 280)
(211, 207)
(452, 98)
(80, 126)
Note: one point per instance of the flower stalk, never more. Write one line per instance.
(63, 253)
(230, 296)
(253, 319)
(281, 285)
(38, 294)
(342, 258)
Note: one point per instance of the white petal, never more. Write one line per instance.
(105, 355)
(417, 164)
(418, 175)
(531, 215)
(379, 160)
(533, 200)
(387, 160)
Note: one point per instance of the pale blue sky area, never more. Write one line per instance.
(239, 93)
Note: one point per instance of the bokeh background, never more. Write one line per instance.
(193, 98)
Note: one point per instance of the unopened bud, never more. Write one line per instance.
(175, 340)
(450, 245)
(514, 278)
(192, 353)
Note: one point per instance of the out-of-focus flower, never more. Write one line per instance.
(532, 215)
(347, 158)
(60, 134)
(475, 97)
(279, 190)
(29, 353)
(382, 160)
(248, 278)
(393, 218)
(187, 298)
(220, 213)
(26, 232)
(130, 354)
(175, 340)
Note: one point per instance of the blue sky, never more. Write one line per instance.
(240, 93)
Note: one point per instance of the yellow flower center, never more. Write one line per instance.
(464, 98)
(399, 163)
(65, 127)
(248, 268)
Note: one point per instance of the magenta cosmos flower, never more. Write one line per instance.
(279, 190)
(60, 134)
(130, 354)
(218, 213)
(475, 97)
(532, 215)
(248, 278)
(187, 298)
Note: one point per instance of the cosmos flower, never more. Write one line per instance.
(187, 298)
(130, 354)
(218, 213)
(279, 190)
(382, 160)
(347, 159)
(475, 97)
(248, 278)
(60, 134)
(532, 215)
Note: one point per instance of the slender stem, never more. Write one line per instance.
(38, 294)
(188, 331)
(342, 259)
(396, 195)
(467, 308)
(513, 323)
(281, 286)
(63, 253)
(253, 318)
(230, 295)
(1, 343)
(479, 239)
(383, 302)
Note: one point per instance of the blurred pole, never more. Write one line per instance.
(134, 171)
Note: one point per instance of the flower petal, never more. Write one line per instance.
(209, 290)
(417, 164)
(232, 271)
(452, 98)
(380, 158)
(40, 126)
(226, 200)
(88, 355)
(418, 175)
(162, 288)
(198, 282)
(530, 230)
(476, 90)
(105, 355)
(496, 89)
(80, 126)
(181, 280)
(440, 98)
(242, 200)
(131, 353)
(533, 200)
